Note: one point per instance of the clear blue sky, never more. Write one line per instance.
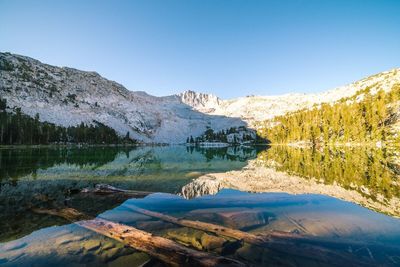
(230, 48)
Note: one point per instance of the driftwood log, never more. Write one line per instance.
(105, 189)
(281, 242)
(175, 254)
(69, 214)
(203, 226)
(163, 249)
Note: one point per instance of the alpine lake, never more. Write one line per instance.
(327, 207)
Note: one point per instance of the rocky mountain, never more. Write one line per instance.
(67, 97)
(202, 102)
(254, 109)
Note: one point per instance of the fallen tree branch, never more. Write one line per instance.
(105, 189)
(207, 227)
(158, 247)
(161, 248)
(69, 214)
(278, 241)
(168, 251)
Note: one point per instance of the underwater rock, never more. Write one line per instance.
(211, 242)
(197, 239)
(187, 236)
(154, 225)
(134, 259)
(91, 244)
(243, 219)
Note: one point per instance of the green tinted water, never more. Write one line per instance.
(372, 172)
(54, 177)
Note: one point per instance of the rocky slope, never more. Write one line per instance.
(67, 97)
(253, 109)
(206, 103)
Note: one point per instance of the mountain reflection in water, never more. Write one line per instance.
(44, 177)
(365, 176)
(56, 174)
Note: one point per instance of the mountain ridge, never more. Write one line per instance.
(67, 96)
(253, 109)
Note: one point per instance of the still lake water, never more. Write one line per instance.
(315, 223)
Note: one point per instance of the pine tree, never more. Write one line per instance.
(347, 120)
(3, 104)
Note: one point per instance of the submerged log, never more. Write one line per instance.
(69, 214)
(105, 189)
(315, 249)
(282, 242)
(90, 202)
(161, 248)
(207, 227)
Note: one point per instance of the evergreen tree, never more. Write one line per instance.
(17, 128)
(348, 120)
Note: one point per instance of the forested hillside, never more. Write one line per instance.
(370, 116)
(17, 128)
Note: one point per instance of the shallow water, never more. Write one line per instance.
(54, 177)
